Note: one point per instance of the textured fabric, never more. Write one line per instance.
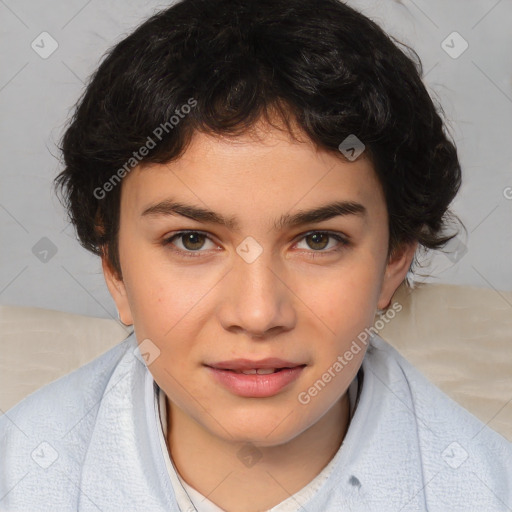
(90, 441)
(459, 337)
(188, 497)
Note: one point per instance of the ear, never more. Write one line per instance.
(117, 289)
(396, 269)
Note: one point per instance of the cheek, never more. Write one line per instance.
(345, 300)
(162, 296)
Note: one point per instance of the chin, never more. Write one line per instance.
(259, 430)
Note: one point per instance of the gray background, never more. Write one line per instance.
(37, 95)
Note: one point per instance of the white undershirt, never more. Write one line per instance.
(189, 499)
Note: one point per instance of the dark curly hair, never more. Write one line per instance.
(318, 63)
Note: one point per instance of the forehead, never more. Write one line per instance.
(264, 167)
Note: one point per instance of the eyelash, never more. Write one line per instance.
(194, 254)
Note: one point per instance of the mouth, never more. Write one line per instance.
(259, 371)
(248, 365)
(255, 380)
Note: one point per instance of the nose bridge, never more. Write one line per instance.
(257, 274)
(257, 300)
(254, 269)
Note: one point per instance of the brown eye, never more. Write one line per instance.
(318, 242)
(191, 241)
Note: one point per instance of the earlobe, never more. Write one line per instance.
(396, 270)
(117, 290)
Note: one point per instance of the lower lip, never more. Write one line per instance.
(255, 385)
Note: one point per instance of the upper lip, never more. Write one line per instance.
(247, 364)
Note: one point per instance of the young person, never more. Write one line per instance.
(257, 177)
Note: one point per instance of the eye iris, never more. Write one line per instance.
(194, 241)
(192, 238)
(315, 237)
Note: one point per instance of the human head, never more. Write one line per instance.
(336, 75)
(271, 88)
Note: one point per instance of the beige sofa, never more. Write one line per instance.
(459, 337)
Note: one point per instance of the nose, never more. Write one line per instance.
(257, 300)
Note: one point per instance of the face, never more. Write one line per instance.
(257, 285)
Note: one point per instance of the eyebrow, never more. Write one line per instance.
(169, 207)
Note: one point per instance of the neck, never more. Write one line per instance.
(215, 468)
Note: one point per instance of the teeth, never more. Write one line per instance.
(266, 371)
(259, 371)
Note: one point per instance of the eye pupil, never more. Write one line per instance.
(192, 237)
(315, 237)
(193, 242)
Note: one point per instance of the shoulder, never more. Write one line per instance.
(457, 448)
(69, 394)
(55, 423)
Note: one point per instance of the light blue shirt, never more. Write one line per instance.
(91, 441)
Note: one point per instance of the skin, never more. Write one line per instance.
(287, 303)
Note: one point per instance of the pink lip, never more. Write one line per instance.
(247, 364)
(256, 386)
